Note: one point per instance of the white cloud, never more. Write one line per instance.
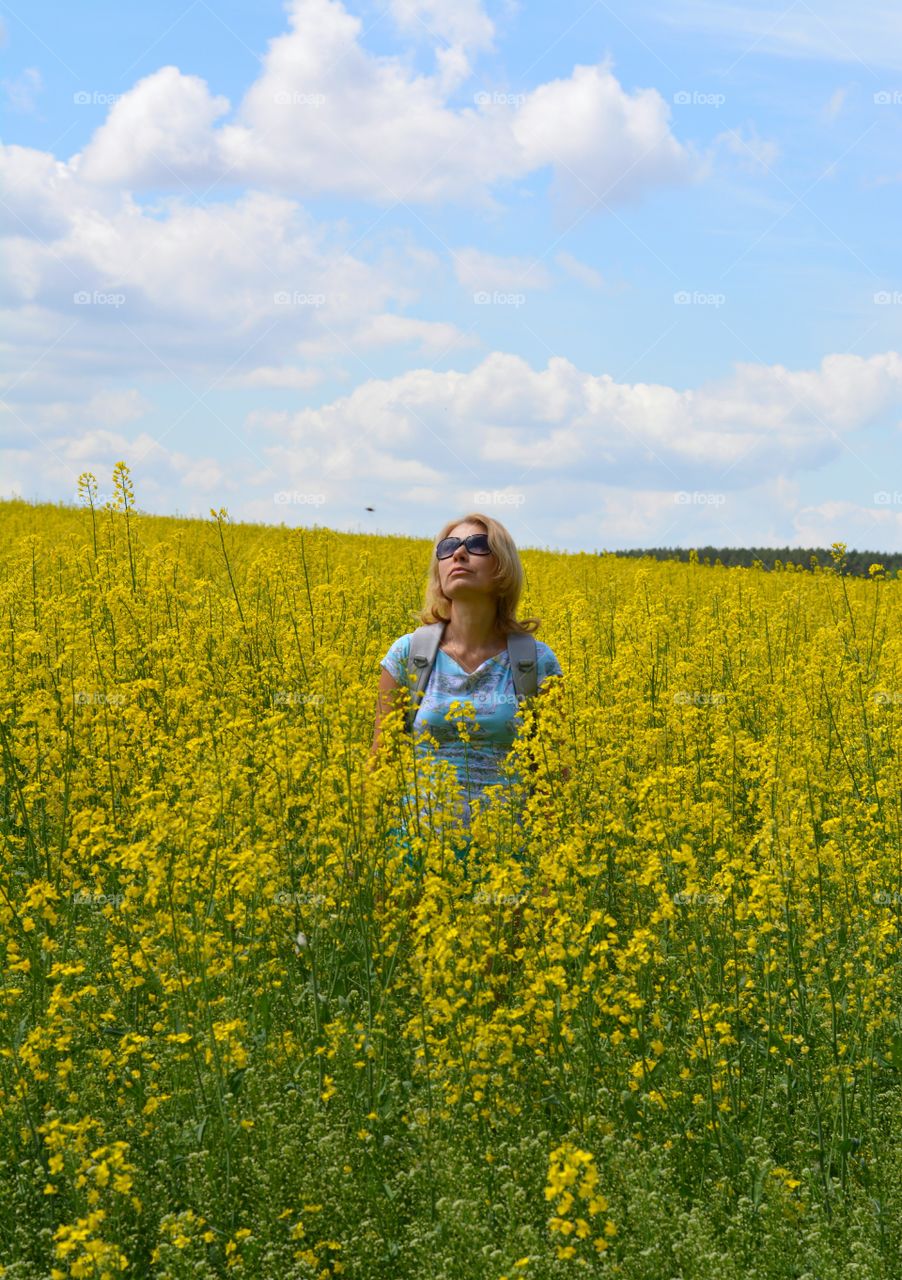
(835, 104)
(603, 143)
(455, 27)
(21, 93)
(860, 527)
(477, 270)
(99, 285)
(429, 337)
(766, 514)
(754, 153)
(463, 23)
(159, 134)
(580, 271)
(163, 478)
(524, 424)
(284, 376)
(595, 462)
(326, 115)
(42, 197)
(113, 407)
(452, 69)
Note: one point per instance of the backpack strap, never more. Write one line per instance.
(521, 646)
(424, 643)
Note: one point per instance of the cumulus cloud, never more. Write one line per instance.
(526, 424)
(603, 144)
(455, 28)
(578, 270)
(42, 197)
(158, 133)
(326, 115)
(602, 463)
(99, 286)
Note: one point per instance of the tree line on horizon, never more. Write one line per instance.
(810, 559)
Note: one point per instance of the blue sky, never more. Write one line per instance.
(617, 275)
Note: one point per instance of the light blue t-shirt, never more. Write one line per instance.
(490, 688)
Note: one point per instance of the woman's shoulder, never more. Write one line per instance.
(547, 659)
(402, 644)
(395, 660)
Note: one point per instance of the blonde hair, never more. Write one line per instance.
(508, 576)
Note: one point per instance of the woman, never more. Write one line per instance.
(475, 582)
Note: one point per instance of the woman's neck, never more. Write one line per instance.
(473, 626)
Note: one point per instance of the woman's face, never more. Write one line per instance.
(463, 575)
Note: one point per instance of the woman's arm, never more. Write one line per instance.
(385, 702)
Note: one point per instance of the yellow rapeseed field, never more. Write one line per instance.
(241, 1037)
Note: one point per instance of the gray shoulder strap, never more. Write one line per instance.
(424, 645)
(524, 663)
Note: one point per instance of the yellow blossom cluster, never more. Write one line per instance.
(572, 1188)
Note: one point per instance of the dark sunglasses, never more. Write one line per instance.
(477, 544)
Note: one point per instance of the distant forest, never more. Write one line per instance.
(857, 563)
